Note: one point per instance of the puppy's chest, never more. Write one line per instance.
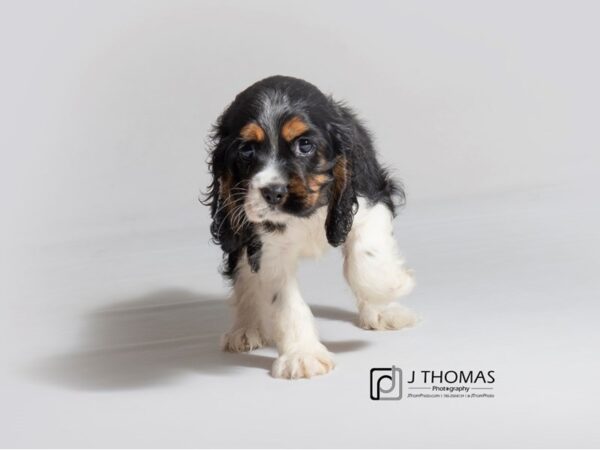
(300, 238)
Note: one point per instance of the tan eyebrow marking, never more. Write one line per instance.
(252, 132)
(293, 128)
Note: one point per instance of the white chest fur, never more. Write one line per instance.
(303, 237)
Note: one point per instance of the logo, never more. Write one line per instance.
(386, 383)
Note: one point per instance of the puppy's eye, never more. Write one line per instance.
(305, 146)
(247, 151)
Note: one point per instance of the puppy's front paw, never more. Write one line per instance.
(389, 317)
(242, 340)
(303, 364)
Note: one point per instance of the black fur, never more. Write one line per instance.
(272, 227)
(343, 144)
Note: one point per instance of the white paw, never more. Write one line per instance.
(389, 317)
(303, 364)
(242, 340)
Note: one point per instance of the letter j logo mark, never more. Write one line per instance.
(386, 383)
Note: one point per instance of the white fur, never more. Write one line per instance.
(269, 307)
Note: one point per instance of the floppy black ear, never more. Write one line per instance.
(343, 203)
(216, 197)
(220, 228)
(232, 240)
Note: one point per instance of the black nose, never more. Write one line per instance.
(274, 194)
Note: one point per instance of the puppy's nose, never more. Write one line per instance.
(274, 194)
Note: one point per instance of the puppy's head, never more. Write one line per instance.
(280, 151)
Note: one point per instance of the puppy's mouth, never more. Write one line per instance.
(259, 211)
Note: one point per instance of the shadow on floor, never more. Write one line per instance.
(155, 338)
(333, 313)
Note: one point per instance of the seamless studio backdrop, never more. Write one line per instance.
(111, 301)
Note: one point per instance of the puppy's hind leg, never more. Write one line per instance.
(375, 271)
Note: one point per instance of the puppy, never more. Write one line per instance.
(295, 172)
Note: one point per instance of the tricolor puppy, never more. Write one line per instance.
(295, 172)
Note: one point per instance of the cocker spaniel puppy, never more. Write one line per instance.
(295, 172)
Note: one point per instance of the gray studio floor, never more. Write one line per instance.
(112, 340)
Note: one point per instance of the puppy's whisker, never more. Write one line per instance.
(240, 218)
(236, 218)
(228, 201)
(224, 204)
(231, 210)
(224, 221)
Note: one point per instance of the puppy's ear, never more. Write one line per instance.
(232, 240)
(342, 203)
(217, 193)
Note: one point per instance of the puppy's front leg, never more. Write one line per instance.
(246, 334)
(293, 331)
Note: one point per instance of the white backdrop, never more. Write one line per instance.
(106, 105)
(110, 301)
